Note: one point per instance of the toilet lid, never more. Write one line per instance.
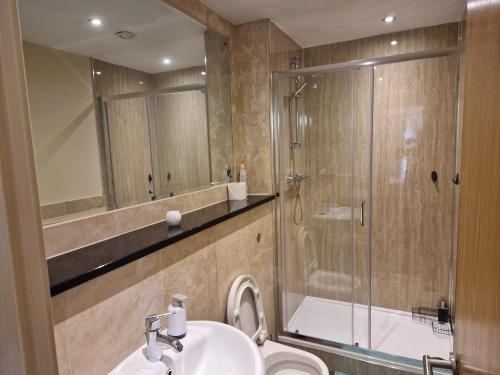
(245, 310)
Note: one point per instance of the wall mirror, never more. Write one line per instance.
(129, 102)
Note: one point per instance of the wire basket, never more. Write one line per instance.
(442, 329)
(429, 316)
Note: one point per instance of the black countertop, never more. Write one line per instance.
(73, 268)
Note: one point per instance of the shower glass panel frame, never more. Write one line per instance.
(291, 277)
(149, 102)
(332, 175)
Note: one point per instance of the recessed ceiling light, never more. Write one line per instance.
(394, 42)
(94, 21)
(203, 73)
(98, 73)
(166, 61)
(389, 19)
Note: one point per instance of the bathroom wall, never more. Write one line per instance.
(421, 39)
(219, 103)
(65, 136)
(99, 323)
(250, 95)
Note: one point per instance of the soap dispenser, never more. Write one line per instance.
(243, 173)
(176, 323)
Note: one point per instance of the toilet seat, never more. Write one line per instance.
(285, 360)
(245, 310)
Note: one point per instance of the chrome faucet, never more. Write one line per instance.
(156, 341)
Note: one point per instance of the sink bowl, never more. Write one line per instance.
(209, 348)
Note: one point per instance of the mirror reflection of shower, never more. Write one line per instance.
(298, 84)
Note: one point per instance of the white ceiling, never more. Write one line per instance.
(161, 31)
(316, 22)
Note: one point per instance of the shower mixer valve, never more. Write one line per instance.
(295, 178)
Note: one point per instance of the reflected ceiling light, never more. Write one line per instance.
(94, 21)
(380, 79)
(166, 61)
(394, 42)
(388, 19)
(141, 83)
(98, 73)
(203, 73)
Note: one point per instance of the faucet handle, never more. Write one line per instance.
(153, 321)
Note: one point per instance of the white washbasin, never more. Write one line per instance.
(209, 348)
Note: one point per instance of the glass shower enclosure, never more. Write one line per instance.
(156, 143)
(364, 155)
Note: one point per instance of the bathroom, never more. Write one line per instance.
(233, 187)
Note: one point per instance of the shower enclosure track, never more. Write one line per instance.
(368, 62)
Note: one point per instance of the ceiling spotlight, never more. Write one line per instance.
(203, 73)
(389, 19)
(125, 34)
(394, 42)
(94, 21)
(166, 61)
(98, 73)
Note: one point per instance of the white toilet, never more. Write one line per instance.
(245, 312)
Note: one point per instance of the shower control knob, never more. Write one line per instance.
(434, 176)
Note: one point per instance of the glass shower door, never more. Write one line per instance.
(324, 237)
(129, 155)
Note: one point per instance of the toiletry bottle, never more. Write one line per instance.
(443, 315)
(225, 177)
(226, 174)
(243, 173)
(176, 323)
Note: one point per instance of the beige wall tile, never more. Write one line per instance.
(70, 235)
(203, 14)
(195, 277)
(250, 93)
(104, 334)
(282, 49)
(422, 39)
(62, 349)
(238, 253)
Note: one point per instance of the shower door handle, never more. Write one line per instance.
(362, 213)
(429, 363)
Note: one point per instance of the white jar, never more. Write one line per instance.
(173, 218)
